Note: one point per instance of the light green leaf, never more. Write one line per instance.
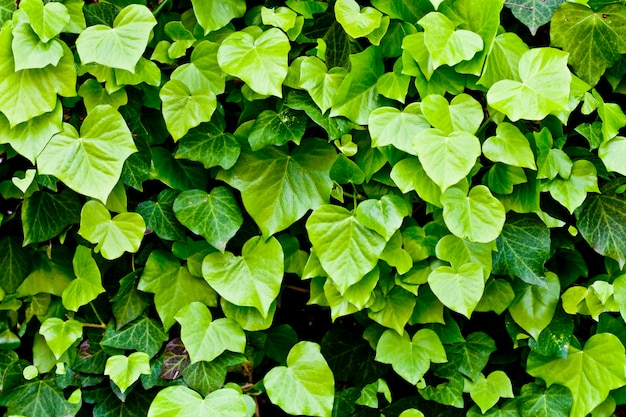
(408, 174)
(271, 128)
(124, 371)
(215, 14)
(114, 236)
(589, 373)
(249, 318)
(184, 108)
(252, 279)
(572, 192)
(202, 72)
(446, 44)
(497, 297)
(487, 391)
(611, 152)
(180, 401)
(319, 82)
(90, 163)
(305, 386)
(210, 145)
(478, 216)
(394, 85)
(396, 308)
(446, 158)
(458, 252)
(412, 412)
(389, 126)
(214, 216)
(277, 188)
(458, 289)
(463, 113)
(543, 86)
(503, 60)
(204, 338)
(88, 283)
(346, 249)
(260, 61)
(45, 215)
(509, 146)
(59, 334)
(534, 13)
(535, 401)
(47, 20)
(120, 46)
(93, 95)
(369, 393)
(280, 17)
(355, 21)
(534, 306)
(384, 216)
(31, 52)
(593, 38)
(410, 357)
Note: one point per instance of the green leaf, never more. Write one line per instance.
(210, 145)
(319, 82)
(184, 107)
(125, 370)
(599, 220)
(346, 248)
(458, 252)
(252, 279)
(60, 335)
(410, 357)
(206, 377)
(280, 17)
(409, 174)
(572, 192)
(593, 38)
(446, 44)
(509, 146)
(14, 262)
(215, 14)
(202, 72)
(160, 218)
(390, 126)
(128, 303)
(534, 306)
(90, 163)
(214, 216)
(384, 216)
(249, 318)
(46, 20)
(589, 373)
(36, 54)
(355, 21)
(87, 285)
(305, 385)
(277, 188)
(523, 248)
(259, 59)
(369, 393)
(204, 338)
(271, 128)
(534, 13)
(537, 401)
(463, 113)
(178, 174)
(469, 357)
(45, 215)
(446, 158)
(610, 152)
(143, 335)
(487, 391)
(113, 237)
(47, 276)
(458, 289)
(396, 308)
(544, 80)
(503, 59)
(94, 95)
(120, 46)
(180, 401)
(39, 397)
(447, 393)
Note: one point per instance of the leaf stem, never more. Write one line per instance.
(354, 196)
(102, 325)
(94, 325)
(160, 7)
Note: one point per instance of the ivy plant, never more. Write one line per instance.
(235, 208)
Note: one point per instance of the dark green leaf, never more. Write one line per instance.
(446, 393)
(45, 215)
(181, 175)
(160, 217)
(128, 303)
(109, 405)
(14, 263)
(205, 377)
(469, 357)
(536, 401)
(534, 13)
(210, 145)
(143, 335)
(271, 128)
(38, 398)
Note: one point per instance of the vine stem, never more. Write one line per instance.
(102, 325)
(94, 326)
(160, 7)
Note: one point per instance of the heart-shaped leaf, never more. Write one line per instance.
(252, 279)
(125, 370)
(509, 146)
(305, 386)
(210, 145)
(355, 21)
(88, 283)
(47, 20)
(214, 216)
(390, 126)
(59, 334)
(463, 113)
(534, 306)
(180, 401)
(215, 14)
(458, 289)
(272, 128)
(487, 391)
(34, 52)
(572, 192)
(259, 59)
(184, 108)
(319, 82)
(534, 13)
(120, 46)
(384, 216)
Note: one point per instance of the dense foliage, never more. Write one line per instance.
(234, 208)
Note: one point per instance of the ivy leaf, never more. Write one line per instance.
(204, 338)
(128, 303)
(120, 46)
(355, 21)
(175, 360)
(88, 283)
(277, 188)
(90, 163)
(410, 357)
(346, 248)
(503, 59)
(178, 174)
(14, 262)
(271, 128)
(113, 237)
(93, 95)
(458, 252)
(599, 220)
(305, 385)
(180, 401)
(214, 216)
(594, 39)
(46, 20)
(319, 82)
(610, 151)
(206, 377)
(143, 335)
(446, 44)
(537, 401)
(34, 52)
(215, 14)
(390, 126)
(589, 373)
(446, 158)
(39, 397)
(396, 309)
(463, 113)
(523, 248)
(173, 286)
(210, 145)
(160, 218)
(469, 357)
(534, 306)
(572, 192)
(544, 79)
(409, 174)
(45, 215)
(252, 279)
(509, 146)
(259, 59)
(534, 13)
(384, 216)
(458, 289)
(184, 107)
(202, 72)
(125, 370)
(60, 335)
(487, 391)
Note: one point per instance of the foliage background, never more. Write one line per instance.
(237, 208)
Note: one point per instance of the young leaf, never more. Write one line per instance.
(611, 154)
(503, 59)
(355, 21)
(389, 126)
(572, 192)
(305, 385)
(410, 357)
(88, 283)
(125, 370)
(46, 20)
(36, 54)
(319, 82)
(59, 334)
(509, 146)
(184, 107)
(202, 72)
(215, 14)
(487, 391)
(180, 401)
(458, 289)
(384, 216)
(463, 113)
